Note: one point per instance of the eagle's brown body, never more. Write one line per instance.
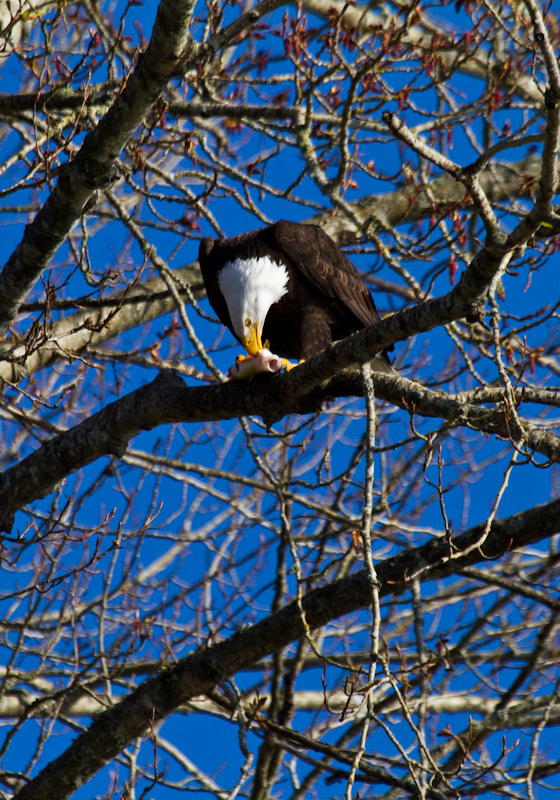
(326, 297)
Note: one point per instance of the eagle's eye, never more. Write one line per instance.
(247, 323)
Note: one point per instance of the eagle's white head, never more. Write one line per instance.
(250, 286)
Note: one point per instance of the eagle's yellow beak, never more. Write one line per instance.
(252, 341)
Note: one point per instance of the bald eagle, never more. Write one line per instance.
(287, 285)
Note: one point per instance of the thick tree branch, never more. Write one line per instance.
(83, 702)
(167, 400)
(66, 98)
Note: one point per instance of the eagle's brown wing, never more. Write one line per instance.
(315, 256)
